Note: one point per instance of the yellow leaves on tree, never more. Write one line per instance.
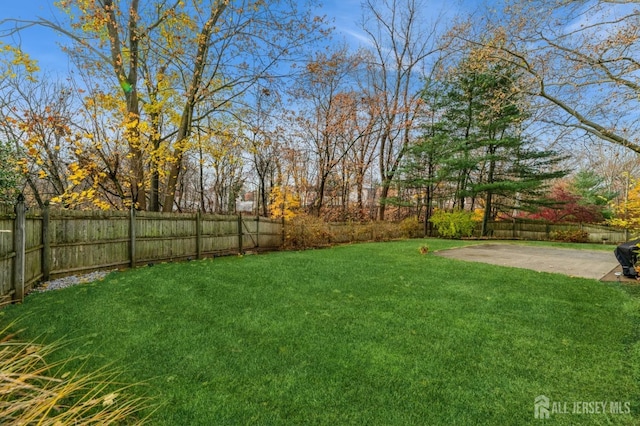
(284, 203)
(91, 15)
(78, 174)
(627, 213)
(23, 166)
(82, 191)
(13, 58)
(477, 216)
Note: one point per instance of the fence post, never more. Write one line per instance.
(257, 231)
(46, 244)
(19, 246)
(132, 237)
(284, 235)
(199, 234)
(240, 250)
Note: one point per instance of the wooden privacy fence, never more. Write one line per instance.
(39, 245)
(529, 230)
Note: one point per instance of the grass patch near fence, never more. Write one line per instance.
(372, 333)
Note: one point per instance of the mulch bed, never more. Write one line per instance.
(612, 277)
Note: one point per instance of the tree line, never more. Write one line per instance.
(189, 105)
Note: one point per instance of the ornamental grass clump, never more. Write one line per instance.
(34, 391)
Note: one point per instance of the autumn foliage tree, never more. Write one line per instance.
(580, 60)
(163, 68)
(627, 212)
(583, 199)
(328, 109)
(12, 64)
(401, 42)
(38, 131)
(180, 105)
(567, 206)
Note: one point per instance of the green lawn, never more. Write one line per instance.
(374, 334)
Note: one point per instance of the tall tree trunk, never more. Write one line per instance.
(128, 83)
(203, 204)
(489, 201)
(359, 191)
(384, 193)
(487, 214)
(154, 196)
(317, 205)
(187, 113)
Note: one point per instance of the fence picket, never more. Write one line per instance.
(60, 242)
(19, 244)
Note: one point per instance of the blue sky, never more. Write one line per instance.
(41, 43)
(38, 42)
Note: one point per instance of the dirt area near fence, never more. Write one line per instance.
(599, 265)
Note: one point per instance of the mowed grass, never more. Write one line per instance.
(374, 334)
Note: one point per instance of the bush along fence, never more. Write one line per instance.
(38, 245)
(574, 232)
(304, 231)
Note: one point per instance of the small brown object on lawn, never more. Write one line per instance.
(424, 250)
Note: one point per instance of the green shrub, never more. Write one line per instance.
(572, 236)
(457, 224)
